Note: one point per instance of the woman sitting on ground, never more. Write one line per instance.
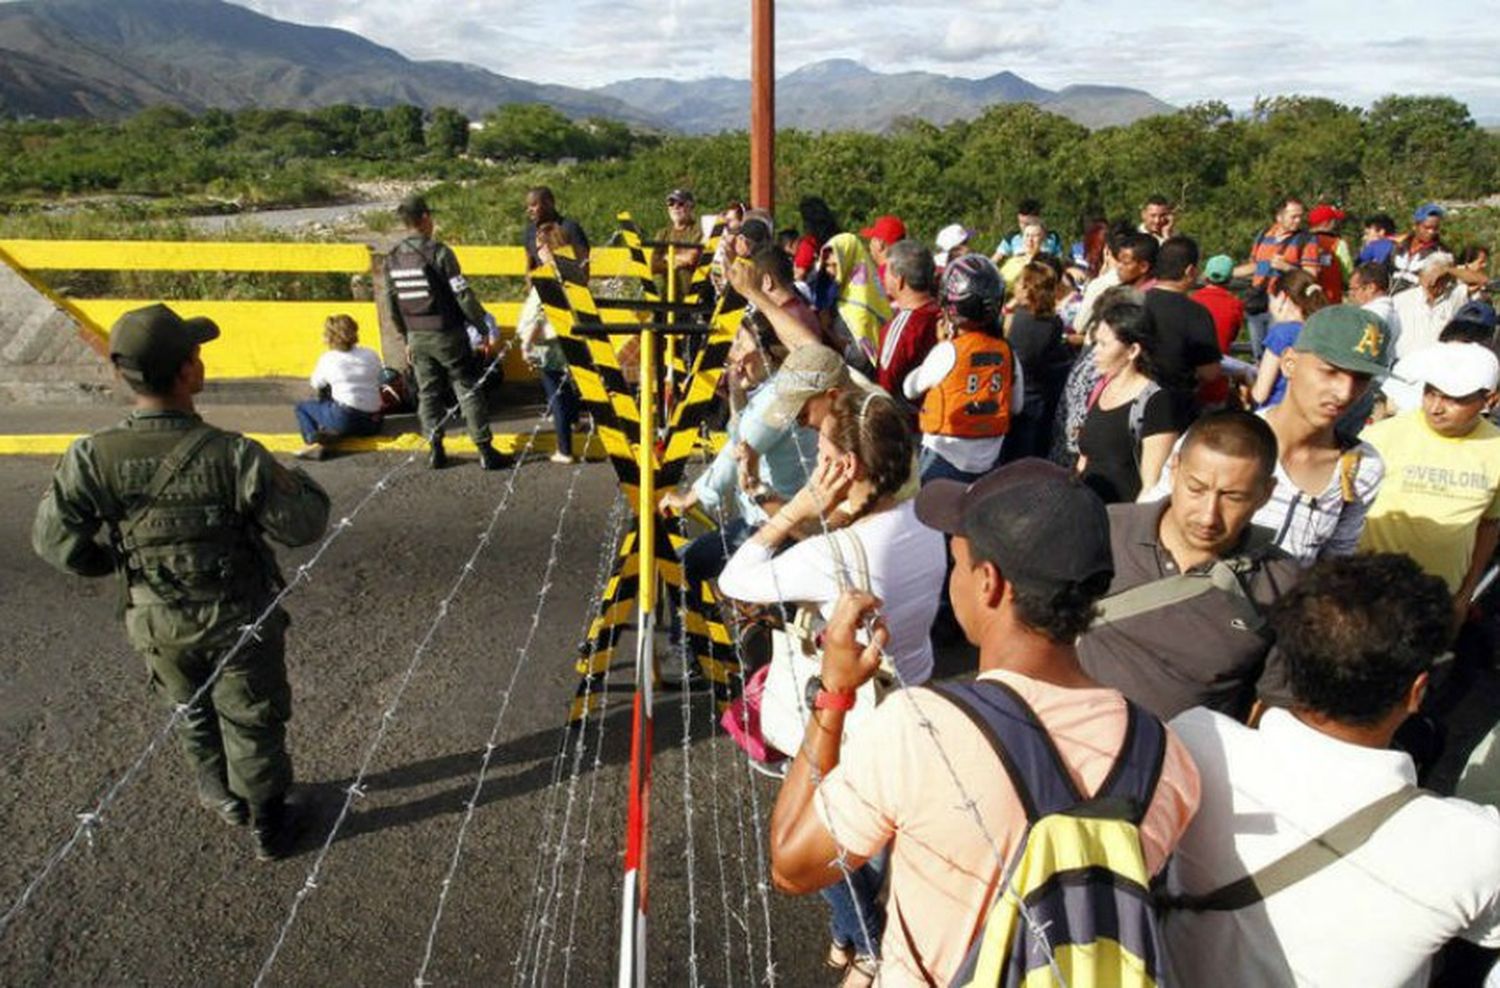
(347, 381)
(864, 459)
(1131, 423)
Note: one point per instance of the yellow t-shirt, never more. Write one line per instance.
(1436, 491)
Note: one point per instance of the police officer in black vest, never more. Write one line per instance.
(431, 303)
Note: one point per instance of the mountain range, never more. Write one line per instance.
(841, 94)
(110, 58)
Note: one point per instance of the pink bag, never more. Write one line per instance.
(741, 720)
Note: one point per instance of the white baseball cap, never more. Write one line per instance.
(1456, 369)
(952, 235)
(948, 238)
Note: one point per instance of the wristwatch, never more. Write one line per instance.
(819, 698)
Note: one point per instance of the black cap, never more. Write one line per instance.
(413, 207)
(1041, 527)
(682, 196)
(156, 340)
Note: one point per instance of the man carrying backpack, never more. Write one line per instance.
(968, 785)
(1183, 623)
(1315, 859)
(431, 304)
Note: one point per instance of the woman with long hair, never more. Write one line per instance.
(1035, 332)
(850, 507)
(1131, 423)
(1296, 296)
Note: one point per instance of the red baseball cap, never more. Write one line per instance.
(887, 228)
(1322, 214)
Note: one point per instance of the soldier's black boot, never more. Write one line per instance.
(490, 459)
(275, 826)
(437, 457)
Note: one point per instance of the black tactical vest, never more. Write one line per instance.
(422, 291)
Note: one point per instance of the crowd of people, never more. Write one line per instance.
(1222, 607)
(1253, 502)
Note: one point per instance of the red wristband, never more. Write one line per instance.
(832, 700)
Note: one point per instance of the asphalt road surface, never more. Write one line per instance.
(168, 895)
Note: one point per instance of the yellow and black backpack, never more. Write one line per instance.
(1074, 906)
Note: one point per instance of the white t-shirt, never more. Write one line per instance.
(1422, 321)
(1431, 872)
(352, 376)
(908, 563)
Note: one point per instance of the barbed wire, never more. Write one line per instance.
(685, 653)
(355, 789)
(556, 840)
(523, 653)
(91, 820)
(968, 804)
(762, 883)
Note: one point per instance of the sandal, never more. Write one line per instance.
(840, 956)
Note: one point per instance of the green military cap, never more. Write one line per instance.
(156, 339)
(413, 207)
(1349, 338)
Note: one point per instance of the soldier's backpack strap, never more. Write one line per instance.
(187, 447)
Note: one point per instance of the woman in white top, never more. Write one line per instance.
(864, 459)
(347, 380)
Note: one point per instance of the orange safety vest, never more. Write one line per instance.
(973, 401)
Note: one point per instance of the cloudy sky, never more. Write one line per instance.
(1178, 51)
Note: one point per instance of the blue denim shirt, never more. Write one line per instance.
(787, 456)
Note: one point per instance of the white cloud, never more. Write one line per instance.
(1181, 54)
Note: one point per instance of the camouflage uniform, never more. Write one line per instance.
(195, 569)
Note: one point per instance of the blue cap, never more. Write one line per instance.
(1477, 312)
(1428, 210)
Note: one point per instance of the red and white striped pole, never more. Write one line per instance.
(637, 834)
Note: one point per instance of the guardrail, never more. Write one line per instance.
(273, 338)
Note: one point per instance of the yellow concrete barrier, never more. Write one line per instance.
(272, 338)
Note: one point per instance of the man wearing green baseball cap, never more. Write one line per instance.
(186, 509)
(1324, 485)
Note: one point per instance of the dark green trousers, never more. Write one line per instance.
(234, 737)
(441, 360)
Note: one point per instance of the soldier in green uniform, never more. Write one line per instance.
(431, 303)
(187, 509)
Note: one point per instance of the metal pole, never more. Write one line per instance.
(632, 972)
(763, 104)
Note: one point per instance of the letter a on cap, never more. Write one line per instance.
(1369, 343)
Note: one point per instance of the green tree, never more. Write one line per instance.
(447, 132)
(529, 132)
(404, 126)
(1427, 147)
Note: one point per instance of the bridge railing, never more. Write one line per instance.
(274, 338)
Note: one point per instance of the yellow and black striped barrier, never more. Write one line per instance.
(574, 315)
